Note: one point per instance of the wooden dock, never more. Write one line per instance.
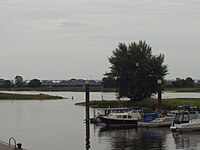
(5, 146)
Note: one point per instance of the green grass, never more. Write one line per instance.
(11, 96)
(191, 89)
(150, 104)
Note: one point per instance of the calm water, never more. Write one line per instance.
(58, 125)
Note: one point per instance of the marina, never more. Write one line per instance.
(56, 124)
(99, 75)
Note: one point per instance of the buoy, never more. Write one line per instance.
(72, 97)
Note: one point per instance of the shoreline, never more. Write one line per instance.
(150, 104)
(95, 89)
(13, 96)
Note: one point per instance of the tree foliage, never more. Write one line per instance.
(181, 83)
(34, 83)
(136, 70)
(18, 81)
(7, 84)
(108, 82)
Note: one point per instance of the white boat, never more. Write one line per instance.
(107, 111)
(123, 119)
(190, 108)
(186, 121)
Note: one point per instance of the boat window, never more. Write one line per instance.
(185, 118)
(178, 117)
(119, 116)
(124, 116)
(129, 116)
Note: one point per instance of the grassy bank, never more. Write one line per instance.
(11, 96)
(191, 89)
(93, 89)
(167, 104)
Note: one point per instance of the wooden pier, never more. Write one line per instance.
(6, 146)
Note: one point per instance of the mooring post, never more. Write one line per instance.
(159, 105)
(87, 99)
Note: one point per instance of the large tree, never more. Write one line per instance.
(136, 70)
(18, 81)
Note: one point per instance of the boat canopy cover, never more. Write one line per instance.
(150, 116)
(182, 117)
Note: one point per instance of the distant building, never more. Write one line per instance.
(71, 82)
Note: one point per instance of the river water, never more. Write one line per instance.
(59, 125)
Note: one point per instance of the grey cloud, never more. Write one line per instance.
(67, 24)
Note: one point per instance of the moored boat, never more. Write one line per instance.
(154, 120)
(181, 108)
(186, 121)
(123, 119)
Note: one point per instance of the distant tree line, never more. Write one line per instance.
(19, 82)
(182, 83)
(108, 82)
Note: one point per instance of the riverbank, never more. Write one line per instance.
(167, 104)
(60, 89)
(92, 89)
(12, 96)
(191, 89)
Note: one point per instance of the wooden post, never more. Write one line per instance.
(87, 99)
(87, 139)
(159, 105)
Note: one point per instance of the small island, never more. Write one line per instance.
(149, 103)
(12, 96)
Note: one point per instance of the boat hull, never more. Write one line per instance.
(112, 122)
(153, 124)
(186, 127)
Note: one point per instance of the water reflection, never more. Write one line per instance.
(87, 139)
(186, 140)
(145, 139)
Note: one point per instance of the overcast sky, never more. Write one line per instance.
(63, 39)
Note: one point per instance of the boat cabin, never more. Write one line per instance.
(189, 108)
(133, 114)
(107, 111)
(120, 116)
(182, 117)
